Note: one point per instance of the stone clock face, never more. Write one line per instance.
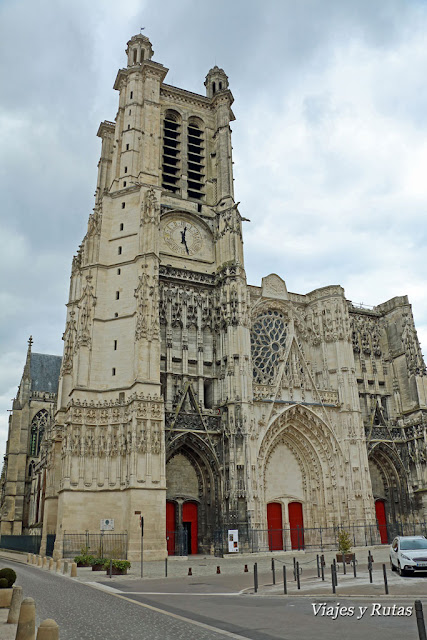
(182, 236)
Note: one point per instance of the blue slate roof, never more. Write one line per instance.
(44, 372)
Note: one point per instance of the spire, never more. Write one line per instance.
(26, 373)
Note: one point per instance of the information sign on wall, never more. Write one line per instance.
(233, 541)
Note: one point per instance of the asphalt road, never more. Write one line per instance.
(84, 612)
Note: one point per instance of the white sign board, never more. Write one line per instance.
(233, 541)
(107, 525)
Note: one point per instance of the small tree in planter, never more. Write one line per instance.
(120, 567)
(344, 547)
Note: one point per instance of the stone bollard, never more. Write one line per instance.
(15, 606)
(28, 558)
(65, 569)
(58, 565)
(48, 630)
(39, 561)
(50, 564)
(34, 559)
(27, 620)
(44, 562)
(74, 570)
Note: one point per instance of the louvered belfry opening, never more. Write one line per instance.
(195, 161)
(171, 161)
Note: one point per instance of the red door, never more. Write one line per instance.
(296, 525)
(381, 520)
(274, 523)
(170, 527)
(189, 522)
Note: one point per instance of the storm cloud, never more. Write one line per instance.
(330, 143)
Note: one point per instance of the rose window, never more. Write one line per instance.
(268, 339)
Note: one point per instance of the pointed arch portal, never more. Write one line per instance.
(193, 488)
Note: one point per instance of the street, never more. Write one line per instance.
(203, 607)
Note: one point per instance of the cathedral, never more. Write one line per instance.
(186, 396)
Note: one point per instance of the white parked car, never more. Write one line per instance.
(408, 554)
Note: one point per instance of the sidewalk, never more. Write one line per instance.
(232, 578)
(7, 631)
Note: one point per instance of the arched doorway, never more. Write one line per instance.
(275, 526)
(381, 520)
(170, 526)
(296, 525)
(390, 489)
(193, 483)
(190, 525)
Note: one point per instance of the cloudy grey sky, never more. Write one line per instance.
(330, 142)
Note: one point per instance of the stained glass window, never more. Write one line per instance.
(268, 339)
(38, 426)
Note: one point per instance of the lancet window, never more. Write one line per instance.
(171, 159)
(196, 167)
(38, 426)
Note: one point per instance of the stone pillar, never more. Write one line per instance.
(15, 606)
(27, 620)
(48, 630)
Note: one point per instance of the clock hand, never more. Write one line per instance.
(183, 240)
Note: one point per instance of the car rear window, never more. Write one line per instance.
(413, 544)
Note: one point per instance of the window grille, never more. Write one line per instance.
(195, 150)
(171, 160)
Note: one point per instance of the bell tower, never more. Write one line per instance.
(156, 375)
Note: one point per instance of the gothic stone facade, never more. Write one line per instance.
(23, 479)
(197, 400)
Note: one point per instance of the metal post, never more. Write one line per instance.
(318, 566)
(335, 572)
(370, 571)
(166, 567)
(111, 568)
(255, 577)
(141, 524)
(322, 566)
(420, 620)
(285, 587)
(298, 582)
(344, 568)
(385, 579)
(295, 575)
(273, 569)
(354, 564)
(333, 578)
